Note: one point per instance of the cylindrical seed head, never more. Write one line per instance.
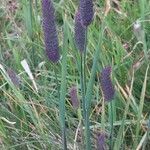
(106, 84)
(80, 31)
(74, 97)
(86, 11)
(13, 77)
(50, 33)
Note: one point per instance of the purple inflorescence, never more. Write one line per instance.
(106, 84)
(86, 10)
(101, 141)
(50, 33)
(79, 33)
(74, 97)
(14, 77)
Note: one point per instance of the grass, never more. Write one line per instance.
(30, 119)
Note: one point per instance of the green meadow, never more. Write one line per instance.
(36, 107)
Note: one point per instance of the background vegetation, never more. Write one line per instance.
(29, 117)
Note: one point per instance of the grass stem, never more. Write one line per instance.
(111, 125)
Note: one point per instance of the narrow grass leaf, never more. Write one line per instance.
(63, 85)
(119, 138)
(139, 115)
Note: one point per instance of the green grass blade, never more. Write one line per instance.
(141, 108)
(27, 15)
(119, 138)
(143, 5)
(63, 86)
(111, 121)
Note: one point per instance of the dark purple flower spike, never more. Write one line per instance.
(50, 33)
(101, 141)
(74, 97)
(80, 33)
(86, 10)
(106, 84)
(14, 77)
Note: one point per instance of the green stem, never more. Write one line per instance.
(83, 75)
(84, 59)
(111, 127)
(56, 79)
(62, 111)
(63, 86)
(82, 86)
